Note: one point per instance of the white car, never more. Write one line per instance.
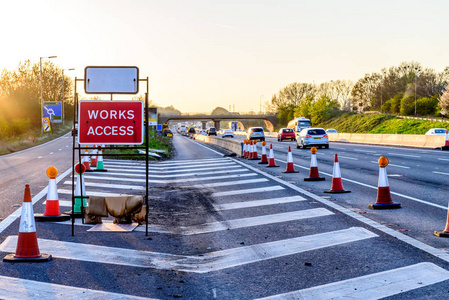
(309, 137)
(437, 131)
(331, 130)
(227, 132)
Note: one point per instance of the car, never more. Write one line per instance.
(211, 131)
(286, 134)
(255, 133)
(75, 130)
(437, 131)
(227, 132)
(331, 130)
(203, 132)
(192, 130)
(312, 137)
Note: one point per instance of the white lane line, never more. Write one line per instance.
(59, 149)
(17, 214)
(39, 157)
(392, 165)
(346, 157)
(445, 159)
(51, 152)
(338, 148)
(248, 191)
(101, 177)
(256, 203)
(255, 221)
(405, 155)
(112, 186)
(406, 239)
(442, 173)
(227, 183)
(174, 171)
(97, 194)
(366, 151)
(16, 288)
(208, 262)
(373, 286)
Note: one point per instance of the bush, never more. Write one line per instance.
(407, 105)
(427, 106)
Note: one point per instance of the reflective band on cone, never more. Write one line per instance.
(244, 149)
(314, 175)
(383, 200)
(93, 159)
(446, 142)
(337, 184)
(254, 154)
(52, 212)
(263, 159)
(271, 162)
(27, 248)
(290, 167)
(100, 165)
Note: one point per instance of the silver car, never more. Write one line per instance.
(227, 132)
(309, 137)
(255, 133)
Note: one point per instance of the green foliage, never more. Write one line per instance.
(427, 106)
(407, 105)
(304, 108)
(286, 113)
(321, 109)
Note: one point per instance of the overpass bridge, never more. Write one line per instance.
(270, 120)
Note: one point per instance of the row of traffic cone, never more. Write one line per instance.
(95, 161)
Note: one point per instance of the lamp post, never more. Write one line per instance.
(63, 115)
(42, 101)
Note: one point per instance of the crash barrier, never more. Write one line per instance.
(409, 140)
(228, 144)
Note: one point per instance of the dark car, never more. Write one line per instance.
(286, 134)
(212, 131)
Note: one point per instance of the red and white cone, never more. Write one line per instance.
(271, 162)
(383, 200)
(93, 159)
(52, 212)
(254, 154)
(250, 150)
(86, 161)
(264, 159)
(27, 249)
(446, 142)
(314, 175)
(290, 167)
(337, 184)
(245, 148)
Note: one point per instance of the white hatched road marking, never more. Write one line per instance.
(373, 286)
(174, 171)
(227, 183)
(96, 194)
(112, 186)
(16, 288)
(151, 167)
(255, 203)
(209, 262)
(248, 191)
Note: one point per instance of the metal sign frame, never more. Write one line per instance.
(78, 152)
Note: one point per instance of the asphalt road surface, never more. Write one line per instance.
(228, 228)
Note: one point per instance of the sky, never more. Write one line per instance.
(202, 54)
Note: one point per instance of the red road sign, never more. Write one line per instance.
(110, 122)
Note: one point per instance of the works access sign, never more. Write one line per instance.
(110, 122)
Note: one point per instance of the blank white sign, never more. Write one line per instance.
(111, 80)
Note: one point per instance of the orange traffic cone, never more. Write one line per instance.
(86, 161)
(264, 159)
(446, 142)
(93, 159)
(290, 168)
(27, 249)
(314, 175)
(254, 154)
(271, 162)
(245, 148)
(337, 185)
(249, 153)
(52, 212)
(383, 200)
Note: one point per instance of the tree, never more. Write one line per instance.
(444, 102)
(219, 111)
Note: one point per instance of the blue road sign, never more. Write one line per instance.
(159, 127)
(53, 111)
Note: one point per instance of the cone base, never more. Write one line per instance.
(441, 233)
(44, 218)
(253, 158)
(336, 192)
(272, 166)
(315, 179)
(75, 215)
(290, 171)
(43, 258)
(391, 205)
(263, 163)
(90, 170)
(99, 170)
(445, 148)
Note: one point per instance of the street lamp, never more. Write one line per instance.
(42, 101)
(63, 115)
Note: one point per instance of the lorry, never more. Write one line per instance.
(299, 123)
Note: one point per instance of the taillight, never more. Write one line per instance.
(308, 137)
(325, 136)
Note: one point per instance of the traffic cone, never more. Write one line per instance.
(86, 161)
(27, 249)
(249, 153)
(77, 212)
(446, 142)
(314, 174)
(93, 159)
(290, 167)
(254, 155)
(100, 165)
(52, 212)
(337, 185)
(263, 159)
(271, 162)
(244, 149)
(383, 200)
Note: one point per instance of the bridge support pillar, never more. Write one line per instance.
(204, 123)
(217, 124)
